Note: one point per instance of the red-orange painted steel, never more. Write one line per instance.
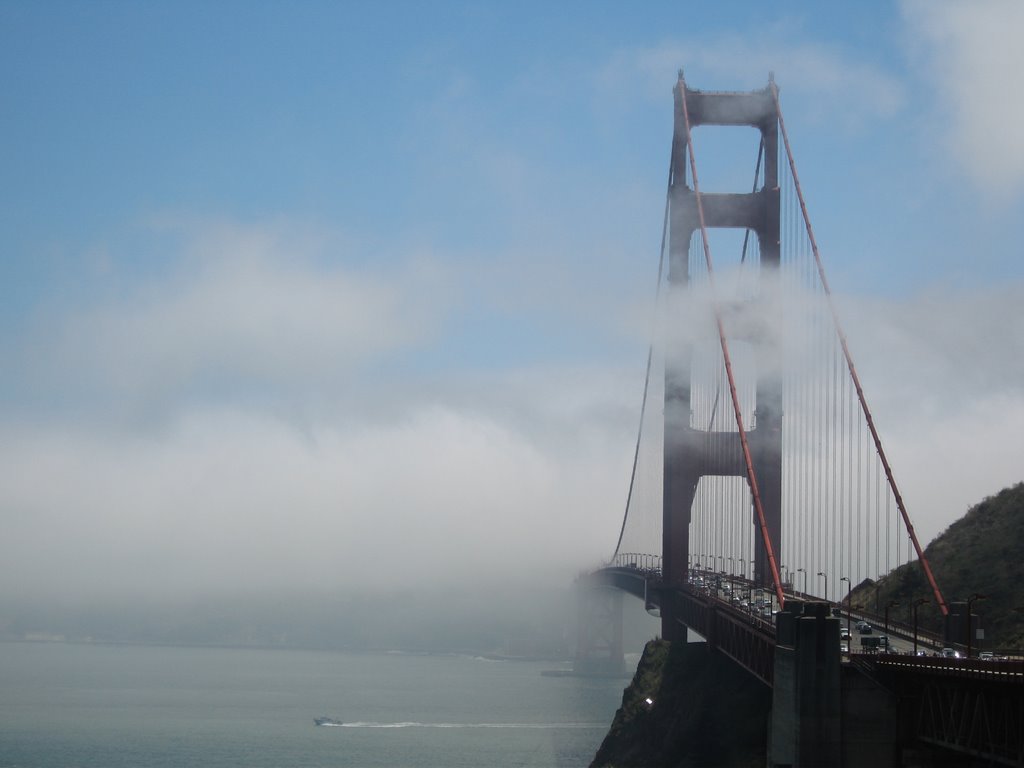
(751, 477)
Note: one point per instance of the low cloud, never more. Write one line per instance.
(237, 502)
(941, 371)
(501, 477)
(414, 475)
(393, 474)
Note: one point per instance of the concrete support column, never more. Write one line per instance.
(806, 721)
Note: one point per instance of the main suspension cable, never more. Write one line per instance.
(650, 354)
(849, 362)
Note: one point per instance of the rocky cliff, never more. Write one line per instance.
(688, 707)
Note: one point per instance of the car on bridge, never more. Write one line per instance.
(863, 627)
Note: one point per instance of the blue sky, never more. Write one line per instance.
(351, 266)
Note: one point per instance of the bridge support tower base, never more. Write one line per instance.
(806, 718)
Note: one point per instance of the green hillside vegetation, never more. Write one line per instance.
(982, 552)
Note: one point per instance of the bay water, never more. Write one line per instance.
(98, 706)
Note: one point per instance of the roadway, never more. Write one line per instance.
(761, 605)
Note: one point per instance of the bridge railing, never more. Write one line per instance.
(639, 560)
(749, 615)
(1012, 671)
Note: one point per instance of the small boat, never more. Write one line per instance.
(326, 721)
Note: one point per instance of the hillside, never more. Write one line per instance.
(982, 552)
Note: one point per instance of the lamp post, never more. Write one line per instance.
(890, 604)
(732, 568)
(849, 589)
(801, 570)
(825, 577)
(917, 604)
(971, 599)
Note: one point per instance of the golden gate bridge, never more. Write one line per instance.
(758, 462)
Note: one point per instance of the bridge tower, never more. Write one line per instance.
(691, 450)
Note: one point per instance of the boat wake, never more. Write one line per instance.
(539, 726)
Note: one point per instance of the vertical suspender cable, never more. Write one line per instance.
(878, 504)
(842, 399)
(849, 363)
(849, 482)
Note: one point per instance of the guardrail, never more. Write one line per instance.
(1008, 670)
(639, 560)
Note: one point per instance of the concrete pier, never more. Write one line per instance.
(806, 719)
